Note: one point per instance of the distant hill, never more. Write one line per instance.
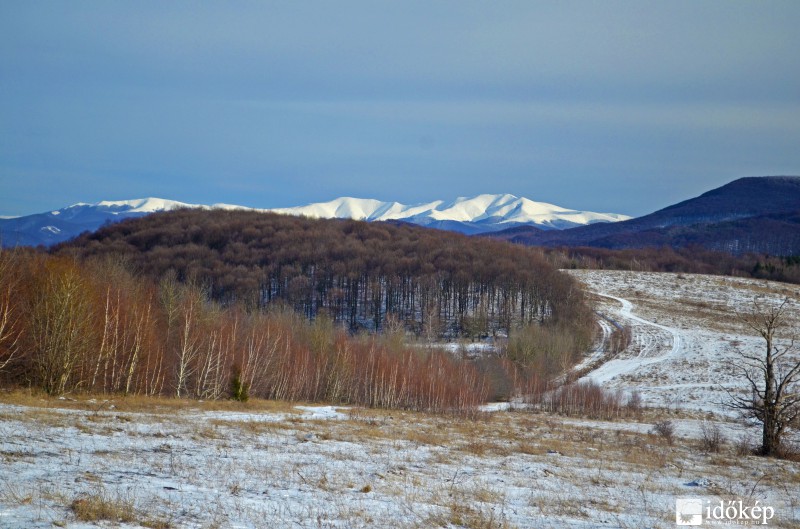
(57, 226)
(749, 215)
(480, 214)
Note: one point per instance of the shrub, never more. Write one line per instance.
(549, 349)
(634, 404)
(664, 429)
(584, 399)
(712, 439)
(239, 389)
(744, 447)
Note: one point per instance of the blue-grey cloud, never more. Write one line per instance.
(616, 106)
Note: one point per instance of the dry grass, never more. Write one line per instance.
(443, 471)
(97, 403)
(100, 507)
(471, 517)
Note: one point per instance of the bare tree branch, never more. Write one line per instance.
(774, 399)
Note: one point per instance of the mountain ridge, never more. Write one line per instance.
(485, 209)
(747, 215)
(479, 214)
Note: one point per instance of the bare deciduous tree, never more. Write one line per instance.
(189, 344)
(773, 376)
(9, 321)
(60, 321)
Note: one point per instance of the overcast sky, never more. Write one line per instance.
(621, 107)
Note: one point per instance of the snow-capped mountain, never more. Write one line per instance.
(480, 214)
(757, 215)
(63, 224)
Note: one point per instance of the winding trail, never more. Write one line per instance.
(646, 334)
(600, 349)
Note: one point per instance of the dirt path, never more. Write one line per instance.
(652, 342)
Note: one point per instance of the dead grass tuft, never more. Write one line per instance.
(471, 517)
(99, 507)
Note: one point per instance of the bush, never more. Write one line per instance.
(634, 404)
(744, 447)
(712, 439)
(587, 399)
(239, 390)
(550, 349)
(665, 430)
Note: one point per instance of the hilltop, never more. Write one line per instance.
(749, 215)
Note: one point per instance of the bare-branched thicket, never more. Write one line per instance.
(588, 399)
(227, 304)
(95, 327)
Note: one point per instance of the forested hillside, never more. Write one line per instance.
(229, 304)
(91, 326)
(435, 283)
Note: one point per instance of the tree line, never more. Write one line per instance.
(362, 274)
(133, 311)
(692, 260)
(93, 326)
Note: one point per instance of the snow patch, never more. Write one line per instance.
(322, 412)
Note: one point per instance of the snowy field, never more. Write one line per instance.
(182, 464)
(687, 333)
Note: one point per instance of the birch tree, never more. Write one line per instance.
(9, 319)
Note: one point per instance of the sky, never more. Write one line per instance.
(612, 106)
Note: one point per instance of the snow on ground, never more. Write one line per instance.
(468, 349)
(332, 467)
(194, 465)
(686, 334)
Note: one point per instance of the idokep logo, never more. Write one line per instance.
(699, 511)
(689, 511)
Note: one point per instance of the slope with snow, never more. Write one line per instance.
(479, 214)
(323, 467)
(687, 336)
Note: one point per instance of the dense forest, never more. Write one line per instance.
(92, 326)
(235, 304)
(362, 274)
